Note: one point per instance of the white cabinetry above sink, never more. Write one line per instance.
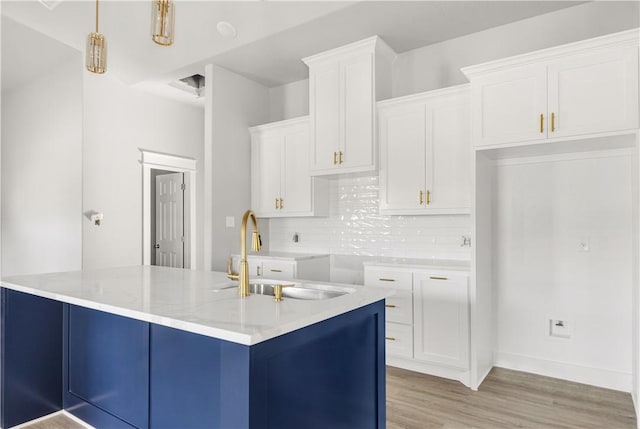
(280, 182)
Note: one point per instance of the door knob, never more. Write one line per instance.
(157, 246)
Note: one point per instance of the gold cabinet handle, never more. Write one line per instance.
(276, 204)
(258, 271)
(428, 197)
(438, 278)
(389, 338)
(281, 203)
(341, 157)
(387, 280)
(335, 158)
(553, 122)
(276, 271)
(541, 123)
(390, 305)
(421, 200)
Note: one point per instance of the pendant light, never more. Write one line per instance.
(96, 50)
(162, 22)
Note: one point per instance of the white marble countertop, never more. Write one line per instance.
(284, 256)
(436, 264)
(193, 301)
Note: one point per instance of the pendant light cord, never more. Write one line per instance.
(97, 16)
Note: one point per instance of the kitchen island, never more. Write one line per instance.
(156, 347)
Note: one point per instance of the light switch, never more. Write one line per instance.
(231, 221)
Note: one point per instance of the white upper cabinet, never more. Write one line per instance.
(344, 85)
(425, 153)
(575, 90)
(280, 182)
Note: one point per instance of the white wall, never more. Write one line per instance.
(543, 211)
(289, 101)
(42, 173)
(233, 104)
(438, 65)
(118, 121)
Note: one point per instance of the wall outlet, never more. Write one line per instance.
(230, 221)
(584, 245)
(560, 328)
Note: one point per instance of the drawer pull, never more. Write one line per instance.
(390, 305)
(387, 280)
(276, 271)
(438, 278)
(389, 338)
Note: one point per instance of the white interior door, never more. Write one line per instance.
(170, 220)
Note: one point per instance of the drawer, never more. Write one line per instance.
(278, 269)
(399, 340)
(401, 280)
(399, 308)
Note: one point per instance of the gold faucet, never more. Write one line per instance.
(256, 245)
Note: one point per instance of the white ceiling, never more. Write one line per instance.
(272, 35)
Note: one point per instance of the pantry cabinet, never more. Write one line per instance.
(344, 84)
(574, 90)
(280, 182)
(427, 318)
(425, 153)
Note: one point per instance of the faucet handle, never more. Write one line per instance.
(256, 241)
(277, 291)
(230, 274)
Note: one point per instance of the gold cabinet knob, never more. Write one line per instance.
(553, 122)
(421, 200)
(335, 158)
(281, 203)
(276, 204)
(341, 154)
(541, 123)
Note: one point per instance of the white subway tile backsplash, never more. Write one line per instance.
(354, 227)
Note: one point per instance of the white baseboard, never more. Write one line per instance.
(606, 378)
(461, 375)
(482, 377)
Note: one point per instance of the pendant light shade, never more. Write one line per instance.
(162, 21)
(96, 50)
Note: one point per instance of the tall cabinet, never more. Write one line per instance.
(344, 85)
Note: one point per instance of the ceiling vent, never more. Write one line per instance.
(50, 4)
(192, 84)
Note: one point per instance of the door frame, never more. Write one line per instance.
(178, 164)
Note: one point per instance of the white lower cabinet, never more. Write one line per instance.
(290, 267)
(427, 320)
(441, 319)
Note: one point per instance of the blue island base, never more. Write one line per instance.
(113, 371)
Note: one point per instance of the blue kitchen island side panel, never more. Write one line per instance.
(107, 368)
(31, 357)
(327, 375)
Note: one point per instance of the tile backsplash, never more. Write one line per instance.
(354, 228)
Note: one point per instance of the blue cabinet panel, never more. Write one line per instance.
(108, 363)
(210, 374)
(31, 357)
(330, 374)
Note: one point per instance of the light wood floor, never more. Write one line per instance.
(506, 399)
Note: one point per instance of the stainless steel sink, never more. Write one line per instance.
(296, 291)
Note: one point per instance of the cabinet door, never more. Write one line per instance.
(267, 167)
(507, 106)
(296, 181)
(441, 319)
(449, 162)
(357, 142)
(402, 158)
(594, 92)
(324, 82)
(398, 340)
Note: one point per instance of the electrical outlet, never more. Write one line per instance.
(560, 328)
(584, 245)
